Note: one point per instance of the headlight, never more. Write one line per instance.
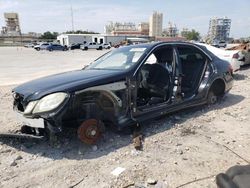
(49, 102)
(30, 107)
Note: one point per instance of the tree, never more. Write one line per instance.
(191, 35)
(49, 35)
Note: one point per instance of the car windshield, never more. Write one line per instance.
(119, 59)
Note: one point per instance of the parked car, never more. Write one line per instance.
(220, 44)
(75, 46)
(106, 46)
(124, 87)
(41, 46)
(246, 59)
(91, 45)
(29, 45)
(53, 47)
(234, 57)
(244, 52)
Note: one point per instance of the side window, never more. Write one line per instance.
(162, 55)
(190, 55)
(151, 59)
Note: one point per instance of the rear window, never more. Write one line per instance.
(186, 53)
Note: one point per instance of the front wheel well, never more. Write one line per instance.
(218, 87)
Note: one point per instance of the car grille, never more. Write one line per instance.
(19, 104)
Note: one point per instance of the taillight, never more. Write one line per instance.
(236, 56)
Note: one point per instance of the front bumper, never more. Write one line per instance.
(36, 123)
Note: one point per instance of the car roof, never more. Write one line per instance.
(152, 44)
(155, 44)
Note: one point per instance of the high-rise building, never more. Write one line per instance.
(109, 28)
(12, 24)
(219, 29)
(155, 24)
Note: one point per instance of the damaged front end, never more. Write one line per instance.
(41, 114)
(86, 99)
(87, 109)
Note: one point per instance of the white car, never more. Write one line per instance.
(221, 44)
(91, 45)
(41, 46)
(234, 57)
(106, 46)
(29, 45)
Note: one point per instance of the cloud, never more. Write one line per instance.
(8, 4)
(55, 15)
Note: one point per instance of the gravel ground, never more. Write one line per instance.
(192, 145)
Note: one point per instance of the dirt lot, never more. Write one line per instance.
(193, 145)
(19, 64)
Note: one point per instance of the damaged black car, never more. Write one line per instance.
(123, 87)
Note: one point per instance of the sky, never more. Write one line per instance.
(93, 15)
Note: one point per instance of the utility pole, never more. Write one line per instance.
(72, 18)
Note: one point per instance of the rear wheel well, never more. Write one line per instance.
(218, 87)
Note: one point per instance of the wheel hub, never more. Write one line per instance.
(89, 131)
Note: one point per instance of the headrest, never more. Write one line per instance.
(191, 58)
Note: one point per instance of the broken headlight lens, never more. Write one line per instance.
(50, 102)
(30, 107)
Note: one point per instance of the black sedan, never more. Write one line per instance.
(124, 87)
(75, 46)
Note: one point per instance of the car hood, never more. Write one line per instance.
(67, 82)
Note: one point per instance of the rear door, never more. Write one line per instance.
(193, 63)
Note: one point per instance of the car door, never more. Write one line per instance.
(94, 46)
(58, 47)
(53, 47)
(153, 97)
(192, 65)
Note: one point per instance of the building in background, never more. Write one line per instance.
(171, 30)
(155, 24)
(219, 29)
(108, 28)
(184, 32)
(127, 28)
(143, 27)
(12, 27)
(68, 39)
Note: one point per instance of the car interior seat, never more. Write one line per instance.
(158, 79)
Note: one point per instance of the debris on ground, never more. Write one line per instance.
(138, 142)
(245, 46)
(137, 138)
(151, 181)
(117, 171)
